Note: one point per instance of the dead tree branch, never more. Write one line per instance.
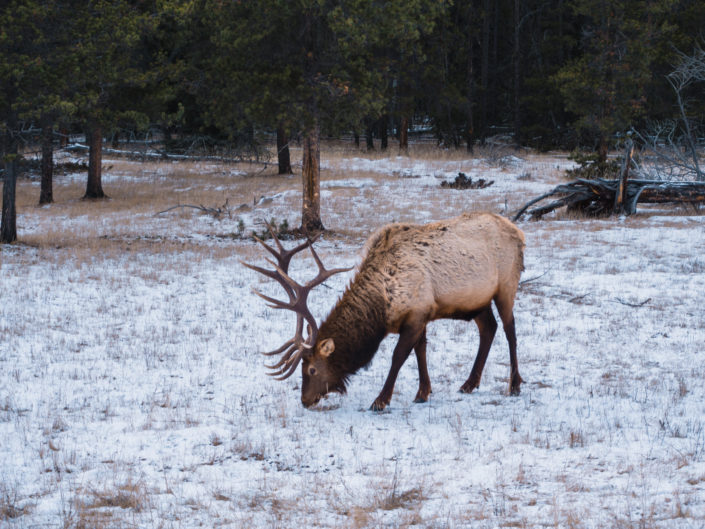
(674, 143)
(216, 212)
(597, 197)
(634, 305)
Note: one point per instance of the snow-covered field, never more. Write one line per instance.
(132, 393)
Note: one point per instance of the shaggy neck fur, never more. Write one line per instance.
(357, 325)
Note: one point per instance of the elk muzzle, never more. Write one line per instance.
(310, 401)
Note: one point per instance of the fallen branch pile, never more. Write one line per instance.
(463, 181)
(597, 197)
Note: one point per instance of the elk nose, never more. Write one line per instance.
(307, 403)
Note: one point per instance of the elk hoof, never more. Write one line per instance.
(515, 385)
(421, 397)
(378, 405)
(468, 388)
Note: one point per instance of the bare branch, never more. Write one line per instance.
(217, 212)
(635, 305)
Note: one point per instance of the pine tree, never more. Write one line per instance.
(30, 86)
(310, 66)
(106, 72)
(606, 85)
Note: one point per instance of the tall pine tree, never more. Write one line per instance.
(310, 66)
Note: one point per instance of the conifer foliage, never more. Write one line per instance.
(547, 74)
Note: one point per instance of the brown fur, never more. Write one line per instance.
(413, 274)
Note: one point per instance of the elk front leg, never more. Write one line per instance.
(487, 326)
(408, 337)
(424, 379)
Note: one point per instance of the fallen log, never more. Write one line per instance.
(597, 197)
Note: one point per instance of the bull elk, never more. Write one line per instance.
(410, 275)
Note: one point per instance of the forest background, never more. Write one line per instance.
(228, 76)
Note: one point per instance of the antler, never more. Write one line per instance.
(293, 349)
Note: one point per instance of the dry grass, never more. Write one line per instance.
(128, 495)
(11, 504)
(138, 191)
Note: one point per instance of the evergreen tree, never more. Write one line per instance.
(605, 87)
(108, 71)
(44, 98)
(29, 88)
(308, 66)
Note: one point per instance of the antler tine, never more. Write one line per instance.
(281, 277)
(269, 273)
(287, 371)
(293, 348)
(303, 245)
(283, 255)
(270, 227)
(281, 349)
(274, 303)
(291, 344)
(323, 273)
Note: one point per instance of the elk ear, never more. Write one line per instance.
(327, 347)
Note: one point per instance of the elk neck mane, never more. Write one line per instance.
(357, 325)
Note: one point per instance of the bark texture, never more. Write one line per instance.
(404, 134)
(8, 225)
(283, 156)
(311, 209)
(94, 187)
(46, 193)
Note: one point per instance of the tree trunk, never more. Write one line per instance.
(485, 66)
(356, 138)
(311, 210)
(602, 151)
(8, 223)
(63, 137)
(516, 59)
(46, 193)
(494, 61)
(369, 138)
(404, 134)
(382, 130)
(620, 196)
(283, 156)
(94, 188)
(470, 126)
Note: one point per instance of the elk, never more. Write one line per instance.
(410, 275)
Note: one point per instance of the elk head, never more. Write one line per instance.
(317, 379)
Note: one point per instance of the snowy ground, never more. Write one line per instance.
(132, 394)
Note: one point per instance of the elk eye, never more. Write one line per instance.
(312, 371)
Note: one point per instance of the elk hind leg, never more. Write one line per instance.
(487, 325)
(505, 307)
(408, 337)
(424, 379)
